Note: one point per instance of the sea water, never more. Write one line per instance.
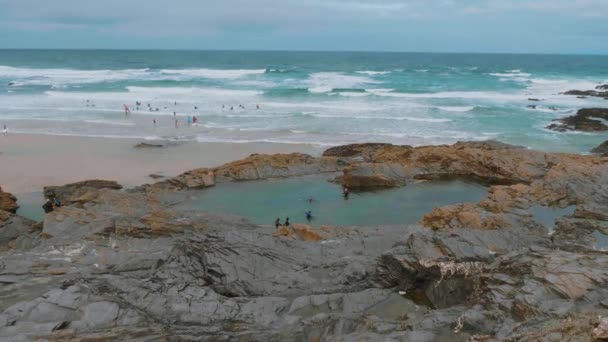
(263, 201)
(321, 98)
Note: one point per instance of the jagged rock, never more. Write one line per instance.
(117, 265)
(80, 191)
(601, 331)
(254, 167)
(8, 202)
(588, 92)
(601, 149)
(585, 120)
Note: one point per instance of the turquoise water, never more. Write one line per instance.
(305, 97)
(30, 205)
(263, 201)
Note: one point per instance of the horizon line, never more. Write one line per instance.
(308, 51)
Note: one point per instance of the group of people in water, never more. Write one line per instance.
(308, 213)
(190, 120)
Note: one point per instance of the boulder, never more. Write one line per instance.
(8, 202)
(601, 149)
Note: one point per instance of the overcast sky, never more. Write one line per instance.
(537, 26)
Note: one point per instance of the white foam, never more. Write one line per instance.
(353, 94)
(398, 118)
(456, 108)
(325, 82)
(61, 77)
(511, 74)
(229, 74)
(220, 92)
(372, 73)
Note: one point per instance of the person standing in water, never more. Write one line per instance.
(308, 214)
(176, 123)
(286, 224)
(345, 192)
(277, 223)
(5, 130)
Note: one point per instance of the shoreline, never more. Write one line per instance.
(32, 161)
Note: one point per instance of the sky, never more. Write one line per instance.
(514, 26)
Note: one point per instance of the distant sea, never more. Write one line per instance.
(321, 98)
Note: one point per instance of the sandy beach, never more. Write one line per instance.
(30, 162)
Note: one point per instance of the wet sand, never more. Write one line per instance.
(30, 162)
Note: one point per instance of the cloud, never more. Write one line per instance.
(340, 24)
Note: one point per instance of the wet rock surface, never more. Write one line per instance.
(117, 264)
(601, 149)
(585, 120)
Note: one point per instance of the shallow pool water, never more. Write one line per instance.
(547, 215)
(263, 201)
(30, 205)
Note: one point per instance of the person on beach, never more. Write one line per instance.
(176, 123)
(345, 192)
(154, 122)
(194, 120)
(286, 224)
(277, 223)
(47, 206)
(308, 214)
(174, 115)
(5, 130)
(127, 110)
(56, 202)
(257, 106)
(189, 120)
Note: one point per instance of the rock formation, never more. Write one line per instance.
(601, 149)
(118, 264)
(8, 202)
(585, 120)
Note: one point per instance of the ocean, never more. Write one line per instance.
(320, 98)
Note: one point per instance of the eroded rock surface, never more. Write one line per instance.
(585, 120)
(8, 202)
(127, 265)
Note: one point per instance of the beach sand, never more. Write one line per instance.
(30, 162)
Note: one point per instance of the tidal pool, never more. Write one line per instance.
(263, 201)
(30, 205)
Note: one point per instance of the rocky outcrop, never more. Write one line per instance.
(80, 191)
(130, 265)
(601, 149)
(585, 120)
(600, 92)
(254, 167)
(8, 202)
(307, 233)
(491, 162)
